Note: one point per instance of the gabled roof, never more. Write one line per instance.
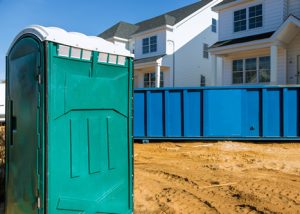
(242, 40)
(121, 29)
(224, 2)
(125, 30)
(148, 59)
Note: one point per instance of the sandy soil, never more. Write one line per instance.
(217, 178)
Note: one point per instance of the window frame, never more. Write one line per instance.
(258, 70)
(151, 79)
(241, 20)
(149, 44)
(205, 52)
(214, 25)
(255, 17)
(248, 18)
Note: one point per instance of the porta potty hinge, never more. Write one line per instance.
(39, 79)
(38, 202)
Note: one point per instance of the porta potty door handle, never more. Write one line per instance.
(13, 123)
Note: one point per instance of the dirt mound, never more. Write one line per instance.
(217, 178)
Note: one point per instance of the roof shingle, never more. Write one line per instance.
(242, 40)
(125, 30)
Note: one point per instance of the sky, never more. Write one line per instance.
(90, 17)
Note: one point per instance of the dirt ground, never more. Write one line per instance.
(222, 177)
(2, 148)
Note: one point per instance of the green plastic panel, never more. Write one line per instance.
(24, 141)
(89, 130)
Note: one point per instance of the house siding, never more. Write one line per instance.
(293, 51)
(190, 63)
(273, 15)
(294, 7)
(186, 39)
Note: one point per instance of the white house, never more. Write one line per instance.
(259, 42)
(171, 50)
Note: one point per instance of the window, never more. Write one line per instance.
(205, 51)
(214, 25)
(251, 74)
(153, 44)
(264, 69)
(202, 80)
(150, 44)
(237, 71)
(240, 20)
(149, 80)
(255, 16)
(252, 70)
(146, 45)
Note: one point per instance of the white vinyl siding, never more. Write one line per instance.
(273, 14)
(292, 53)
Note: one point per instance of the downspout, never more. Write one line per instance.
(173, 43)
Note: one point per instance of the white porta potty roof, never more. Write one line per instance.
(73, 39)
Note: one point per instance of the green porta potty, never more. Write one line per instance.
(69, 124)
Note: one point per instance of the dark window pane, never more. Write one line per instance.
(153, 39)
(146, 77)
(153, 48)
(146, 41)
(251, 64)
(145, 49)
(251, 77)
(237, 78)
(237, 65)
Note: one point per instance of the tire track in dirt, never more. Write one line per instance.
(242, 178)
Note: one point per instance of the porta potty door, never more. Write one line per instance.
(23, 127)
(89, 127)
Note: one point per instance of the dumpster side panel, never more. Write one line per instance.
(219, 113)
(89, 135)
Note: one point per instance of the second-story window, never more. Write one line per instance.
(214, 25)
(255, 16)
(153, 43)
(240, 20)
(146, 45)
(150, 44)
